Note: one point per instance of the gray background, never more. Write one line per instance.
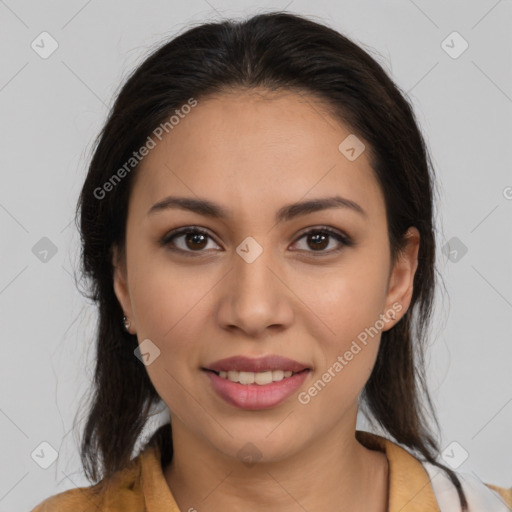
(52, 109)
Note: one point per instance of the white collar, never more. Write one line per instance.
(480, 498)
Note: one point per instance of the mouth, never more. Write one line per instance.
(256, 383)
(259, 378)
(257, 365)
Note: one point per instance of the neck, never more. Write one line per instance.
(202, 478)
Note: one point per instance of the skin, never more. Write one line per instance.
(254, 152)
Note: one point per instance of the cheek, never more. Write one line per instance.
(167, 309)
(351, 309)
(172, 321)
(165, 295)
(173, 317)
(349, 300)
(350, 306)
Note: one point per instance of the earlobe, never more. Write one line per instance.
(401, 282)
(120, 284)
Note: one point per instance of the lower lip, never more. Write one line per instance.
(253, 396)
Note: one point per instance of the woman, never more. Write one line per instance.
(257, 226)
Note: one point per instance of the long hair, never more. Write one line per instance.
(274, 51)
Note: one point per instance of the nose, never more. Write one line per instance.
(255, 298)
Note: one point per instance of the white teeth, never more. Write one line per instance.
(277, 375)
(246, 378)
(260, 378)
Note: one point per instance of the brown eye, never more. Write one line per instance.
(317, 240)
(195, 240)
(187, 240)
(191, 240)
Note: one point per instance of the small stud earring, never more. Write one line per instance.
(126, 323)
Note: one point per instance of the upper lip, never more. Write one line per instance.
(260, 364)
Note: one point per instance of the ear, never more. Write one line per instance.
(121, 290)
(400, 284)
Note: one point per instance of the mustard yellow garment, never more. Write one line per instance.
(141, 486)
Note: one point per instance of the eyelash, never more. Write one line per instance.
(343, 239)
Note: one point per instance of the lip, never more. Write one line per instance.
(259, 364)
(255, 396)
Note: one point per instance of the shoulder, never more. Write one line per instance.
(413, 482)
(81, 498)
(121, 493)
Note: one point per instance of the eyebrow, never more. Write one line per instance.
(286, 213)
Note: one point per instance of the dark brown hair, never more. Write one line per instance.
(276, 51)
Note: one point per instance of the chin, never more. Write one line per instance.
(263, 445)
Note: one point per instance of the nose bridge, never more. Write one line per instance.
(256, 297)
(251, 267)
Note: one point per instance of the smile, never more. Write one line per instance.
(260, 378)
(258, 390)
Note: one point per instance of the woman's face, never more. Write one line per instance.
(257, 284)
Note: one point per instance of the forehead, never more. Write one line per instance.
(256, 149)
